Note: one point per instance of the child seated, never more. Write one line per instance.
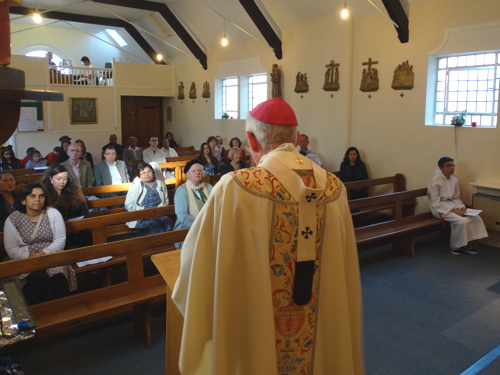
(36, 160)
(52, 156)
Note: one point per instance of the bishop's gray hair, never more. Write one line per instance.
(271, 136)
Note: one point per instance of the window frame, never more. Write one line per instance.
(439, 96)
(245, 98)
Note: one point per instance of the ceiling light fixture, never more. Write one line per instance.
(37, 18)
(224, 42)
(344, 13)
(159, 57)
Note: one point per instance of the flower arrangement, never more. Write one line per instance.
(459, 119)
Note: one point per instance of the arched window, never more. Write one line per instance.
(41, 53)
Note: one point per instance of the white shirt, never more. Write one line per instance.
(116, 179)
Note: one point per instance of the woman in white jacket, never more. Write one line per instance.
(148, 192)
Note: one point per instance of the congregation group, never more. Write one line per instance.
(33, 219)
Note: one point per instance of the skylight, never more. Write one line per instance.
(117, 38)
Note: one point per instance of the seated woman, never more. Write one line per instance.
(352, 168)
(9, 160)
(171, 142)
(190, 197)
(209, 162)
(7, 202)
(235, 142)
(66, 197)
(234, 161)
(148, 192)
(33, 231)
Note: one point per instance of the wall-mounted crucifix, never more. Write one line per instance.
(369, 77)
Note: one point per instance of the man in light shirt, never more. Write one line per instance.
(304, 150)
(171, 153)
(153, 153)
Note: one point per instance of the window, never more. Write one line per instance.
(230, 97)
(41, 53)
(465, 83)
(257, 90)
(237, 96)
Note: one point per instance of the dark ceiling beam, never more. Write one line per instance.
(398, 15)
(264, 27)
(169, 17)
(95, 21)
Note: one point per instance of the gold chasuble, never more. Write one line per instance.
(269, 283)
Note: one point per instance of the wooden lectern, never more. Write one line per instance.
(168, 264)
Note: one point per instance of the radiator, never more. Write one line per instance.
(490, 205)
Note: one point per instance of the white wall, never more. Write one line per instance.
(388, 129)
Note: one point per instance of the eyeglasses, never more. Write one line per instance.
(110, 153)
(153, 140)
(449, 166)
(73, 150)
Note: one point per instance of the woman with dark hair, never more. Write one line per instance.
(148, 192)
(207, 160)
(235, 142)
(65, 196)
(9, 160)
(7, 202)
(63, 156)
(212, 142)
(352, 168)
(171, 141)
(35, 230)
(7, 196)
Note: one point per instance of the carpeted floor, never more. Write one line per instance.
(435, 314)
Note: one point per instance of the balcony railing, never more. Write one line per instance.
(76, 76)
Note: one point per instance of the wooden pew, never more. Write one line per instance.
(187, 151)
(399, 228)
(185, 148)
(78, 310)
(383, 185)
(24, 179)
(96, 190)
(397, 181)
(107, 226)
(172, 163)
(21, 171)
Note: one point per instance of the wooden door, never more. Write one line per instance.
(142, 116)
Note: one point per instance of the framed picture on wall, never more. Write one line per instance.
(83, 111)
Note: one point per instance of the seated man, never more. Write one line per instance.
(169, 151)
(113, 141)
(131, 153)
(303, 144)
(153, 153)
(111, 172)
(85, 76)
(79, 171)
(445, 203)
